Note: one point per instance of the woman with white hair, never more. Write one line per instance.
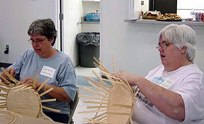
(173, 92)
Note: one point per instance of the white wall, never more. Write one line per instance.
(132, 46)
(72, 17)
(16, 16)
(95, 27)
(189, 4)
(185, 7)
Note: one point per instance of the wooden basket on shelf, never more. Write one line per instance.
(110, 99)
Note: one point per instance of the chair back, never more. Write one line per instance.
(73, 105)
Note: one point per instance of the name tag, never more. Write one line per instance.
(164, 82)
(47, 71)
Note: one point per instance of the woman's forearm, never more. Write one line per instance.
(168, 102)
(57, 93)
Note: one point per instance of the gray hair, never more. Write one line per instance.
(182, 36)
(45, 27)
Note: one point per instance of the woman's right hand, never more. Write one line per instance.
(10, 70)
(131, 78)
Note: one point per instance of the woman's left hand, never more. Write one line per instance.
(31, 82)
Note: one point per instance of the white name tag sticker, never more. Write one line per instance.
(166, 83)
(47, 71)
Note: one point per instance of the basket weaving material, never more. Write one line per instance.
(23, 99)
(8, 117)
(25, 102)
(111, 100)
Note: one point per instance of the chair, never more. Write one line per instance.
(73, 105)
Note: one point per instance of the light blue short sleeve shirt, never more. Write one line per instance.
(58, 69)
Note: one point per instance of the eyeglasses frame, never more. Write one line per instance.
(38, 41)
(163, 45)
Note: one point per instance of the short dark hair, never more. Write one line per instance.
(45, 27)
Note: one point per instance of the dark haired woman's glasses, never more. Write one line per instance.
(37, 41)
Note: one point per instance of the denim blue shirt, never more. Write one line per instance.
(30, 65)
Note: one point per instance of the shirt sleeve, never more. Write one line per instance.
(192, 93)
(67, 79)
(17, 65)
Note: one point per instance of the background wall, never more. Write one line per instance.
(132, 47)
(72, 10)
(16, 16)
(185, 7)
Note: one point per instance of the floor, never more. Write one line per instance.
(87, 72)
(83, 71)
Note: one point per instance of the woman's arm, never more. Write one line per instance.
(57, 92)
(168, 102)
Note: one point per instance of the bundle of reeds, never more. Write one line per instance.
(111, 99)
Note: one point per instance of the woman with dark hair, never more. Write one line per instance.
(46, 62)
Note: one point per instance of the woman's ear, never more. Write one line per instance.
(51, 41)
(183, 50)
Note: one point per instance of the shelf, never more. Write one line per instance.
(146, 21)
(91, 0)
(85, 22)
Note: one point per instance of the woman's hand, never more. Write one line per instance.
(9, 70)
(131, 78)
(31, 82)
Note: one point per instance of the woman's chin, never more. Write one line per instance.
(163, 62)
(41, 55)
